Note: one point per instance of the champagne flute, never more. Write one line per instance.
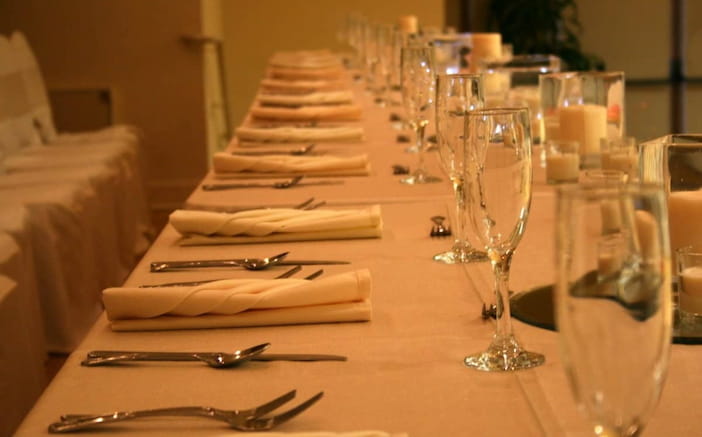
(613, 301)
(498, 175)
(418, 83)
(456, 94)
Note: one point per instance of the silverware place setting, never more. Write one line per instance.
(247, 263)
(283, 275)
(253, 419)
(300, 151)
(280, 185)
(217, 360)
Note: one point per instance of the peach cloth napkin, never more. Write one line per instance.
(276, 224)
(300, 134)
(241, 302)
(350, 112)
(228, 165)
(301, 86)
(316, 98)
(296, 73)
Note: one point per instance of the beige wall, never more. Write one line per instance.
(132, 47)
(253, 30)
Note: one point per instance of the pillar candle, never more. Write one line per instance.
(685, 218)
(408, 24)
(586, 124)
(691, 290)
(484, 46)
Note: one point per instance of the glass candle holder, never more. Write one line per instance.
(675, 161)
(583, 107)
(562, 161)
(689, 270)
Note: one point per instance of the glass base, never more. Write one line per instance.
(460, 254)
(412, 149)
(420, 178)
(504, 356)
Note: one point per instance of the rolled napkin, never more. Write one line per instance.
(276, 224)
(241, 302)
(350, 112)
(317, 98)
(228, 165)
(301, 86)
(299, 134)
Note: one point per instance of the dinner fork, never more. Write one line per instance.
(242, 420)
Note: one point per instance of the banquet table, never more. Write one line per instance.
(404, 372)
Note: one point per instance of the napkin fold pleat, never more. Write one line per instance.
(348, 112)
(241, 302)
(239, 165)
(295, 134)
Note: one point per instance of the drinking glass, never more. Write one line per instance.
(613, 301)
(456, 95)
(418, 93)
(498, 177)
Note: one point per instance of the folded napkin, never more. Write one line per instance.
(316, 98)
(241, 302)
(305, 59)
(350, 112)
(228, 165)
(276, 224)
(300, 134)
(301, 86)
(295, 73)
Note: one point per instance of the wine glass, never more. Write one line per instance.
(456, 94)
(418, 93)
(613, 301)
(498, 177)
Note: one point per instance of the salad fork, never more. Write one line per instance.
(242, 420)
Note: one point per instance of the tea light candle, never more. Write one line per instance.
(627, 163)
(691, 290)
(408, 24)
(562, 167)
(586, 124)
(484, 46)
(684, 218)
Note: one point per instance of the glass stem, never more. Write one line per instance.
(500, 268)
(421, 125)
(460, 225)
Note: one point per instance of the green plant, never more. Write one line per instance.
(542, 27)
